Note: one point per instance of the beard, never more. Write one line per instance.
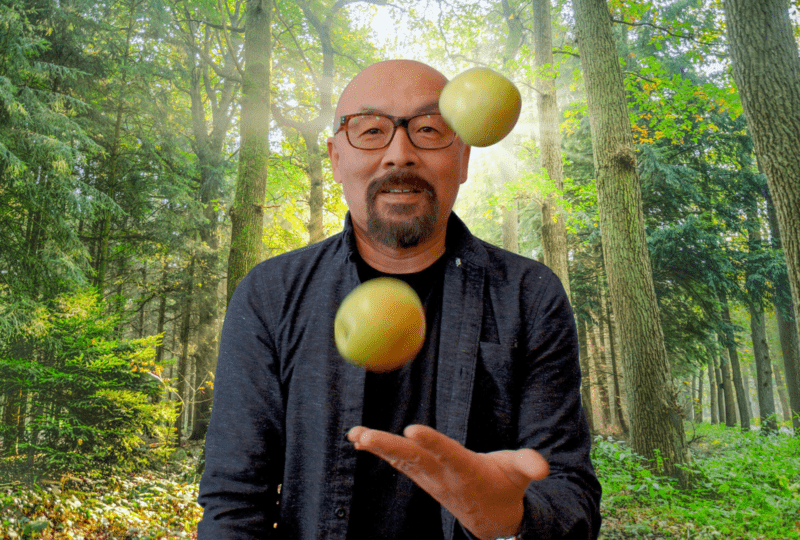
(401, 228)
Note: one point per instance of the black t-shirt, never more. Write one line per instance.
(386, 503)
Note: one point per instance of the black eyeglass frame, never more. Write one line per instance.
(397, 121)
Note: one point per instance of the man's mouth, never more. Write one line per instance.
(399, 184)
(401, 190)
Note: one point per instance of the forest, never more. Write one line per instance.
(152, 152)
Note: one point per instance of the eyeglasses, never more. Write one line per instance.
(375, 131)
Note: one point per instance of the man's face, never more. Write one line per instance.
(399, 196)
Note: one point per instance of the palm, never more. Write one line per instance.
(483, 491)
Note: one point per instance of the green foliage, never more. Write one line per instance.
(91, 399)
(158, 504)
(744, 485)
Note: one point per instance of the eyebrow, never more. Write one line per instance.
(428, 108)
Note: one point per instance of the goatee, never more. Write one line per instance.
(406, 230)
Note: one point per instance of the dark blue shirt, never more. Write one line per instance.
(507, 377)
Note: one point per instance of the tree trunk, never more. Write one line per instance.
(720, 389)
(619, 374)
(656, 425)
(114, 146)
(727, 389)
(608, 360)
(747, 389)
(101, 264)
(781, 388)
(162, 315)
(586, 392)
(698, 407)
(247, 213)
(766, 69)
(791, 363)
(712, 392)
(758, 333)
(601, 369)
(183, 360)
(140, 332)
(316, 197)
(511, 228)
(554, 230)
(785, 315)
(766, 399)
(209, 137)
(727, 339)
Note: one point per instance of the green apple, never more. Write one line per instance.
(481, 106)
(380, 325)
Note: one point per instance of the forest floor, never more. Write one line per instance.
(745, 486)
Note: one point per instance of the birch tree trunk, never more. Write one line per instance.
(656, 425)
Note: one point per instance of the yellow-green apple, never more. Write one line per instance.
(380, 325)
(481, 106)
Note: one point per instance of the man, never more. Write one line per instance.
(482, 435)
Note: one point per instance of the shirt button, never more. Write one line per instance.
(340, 512)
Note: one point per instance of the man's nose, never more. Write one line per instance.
(400, 152)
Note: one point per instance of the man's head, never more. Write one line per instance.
(400, 196)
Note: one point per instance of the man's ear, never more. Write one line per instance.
(333, 154)
(465, 163)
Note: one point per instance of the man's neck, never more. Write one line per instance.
(400, 260)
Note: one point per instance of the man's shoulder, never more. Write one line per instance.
(498, 260)
(503, 268)
(331, 247)
(299, 271)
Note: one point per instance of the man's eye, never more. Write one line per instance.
(372, 131)
(428, 131)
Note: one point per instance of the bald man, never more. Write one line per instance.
(482, 435)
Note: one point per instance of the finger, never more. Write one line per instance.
(355, 433)
(532, 464)
(401, 453)
(442, 447)
(523, 466)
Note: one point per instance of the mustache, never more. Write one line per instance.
(399, 179)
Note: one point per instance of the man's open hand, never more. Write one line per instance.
(483, 491)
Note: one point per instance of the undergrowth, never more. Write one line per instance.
(744, 485)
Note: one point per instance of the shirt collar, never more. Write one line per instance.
(460, 242)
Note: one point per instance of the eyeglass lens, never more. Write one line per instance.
(372, 131)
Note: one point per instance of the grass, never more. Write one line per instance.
(745, 485)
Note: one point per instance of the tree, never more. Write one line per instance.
(247, 216)
(785, 314)
(656, 427)
(554, 231)
(211, 54)
(309, 42)
(766, 68)
(41, 144)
